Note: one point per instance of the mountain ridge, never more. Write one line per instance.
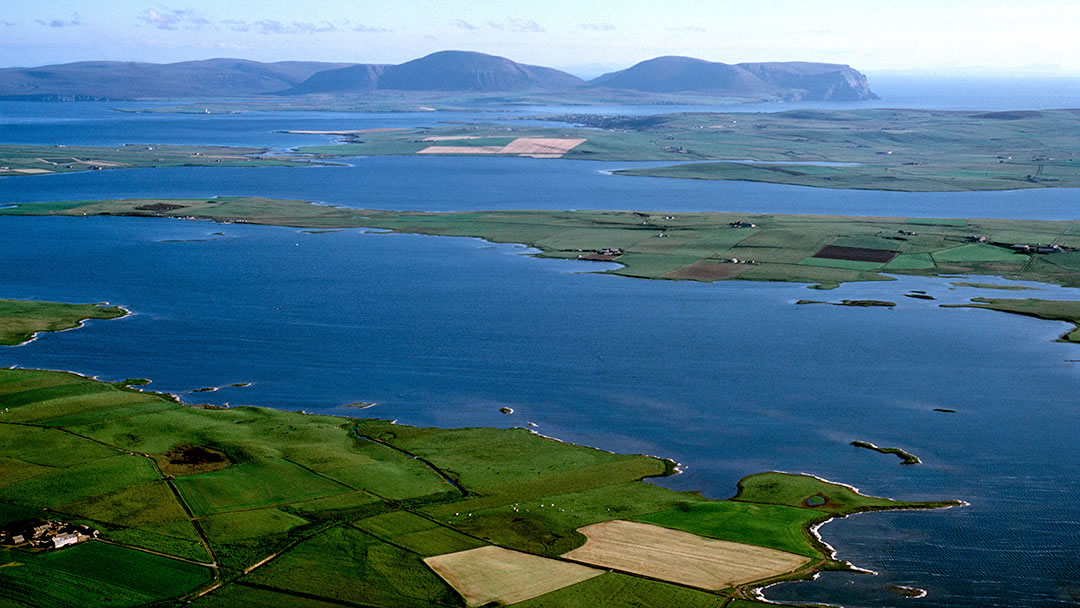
(791, 80)
(442, 71)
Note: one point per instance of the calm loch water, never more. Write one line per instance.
(729, 379)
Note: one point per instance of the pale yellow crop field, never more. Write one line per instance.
(680, 557)
(493, 574)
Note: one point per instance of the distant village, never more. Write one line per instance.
(36, 534)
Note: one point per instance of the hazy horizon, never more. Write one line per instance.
(960, 37)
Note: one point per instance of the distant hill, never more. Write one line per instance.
(359, 78)
(790, 80)
(123, 80)
(442, 71)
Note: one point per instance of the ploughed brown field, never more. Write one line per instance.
(856, 254)
(680, 557)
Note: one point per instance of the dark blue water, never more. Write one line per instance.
(454, 183)
(729, 379)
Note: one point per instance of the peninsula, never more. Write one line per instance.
(21, 320)
(824, 251)
(16, 159)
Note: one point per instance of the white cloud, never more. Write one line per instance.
(74, 21)
(174, 19)
(597, 27)
(515, 24)
(370, 29)
(271, 26)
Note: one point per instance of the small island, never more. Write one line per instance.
(854, 303)
(904, 456)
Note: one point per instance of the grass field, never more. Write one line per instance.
(20, 320)
(796, 490)
(95, 574)
(774, 526)
(879, 149)
(617, 590)
(778, 248)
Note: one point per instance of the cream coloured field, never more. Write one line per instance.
(493, 574)
(680, 557)
(536, 147)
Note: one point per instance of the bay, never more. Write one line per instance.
(729, 379)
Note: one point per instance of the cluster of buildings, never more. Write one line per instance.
(45, 535)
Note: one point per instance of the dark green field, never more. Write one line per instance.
(282, 508)
(822, 250)
(908, 150)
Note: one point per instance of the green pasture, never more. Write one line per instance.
(834, 263)
(252, 486)
(95, 574)
(767, 525)
(794, 490)
(349, 565)
(978, 252)
(417, 534)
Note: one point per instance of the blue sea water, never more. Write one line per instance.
(728, 379)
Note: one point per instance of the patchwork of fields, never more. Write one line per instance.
(822, 250)
(275, 508)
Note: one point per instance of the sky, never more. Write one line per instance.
(585, 37)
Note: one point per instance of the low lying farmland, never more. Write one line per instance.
(866, 149)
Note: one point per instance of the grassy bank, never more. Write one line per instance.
(823, 250)
(20, 320)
